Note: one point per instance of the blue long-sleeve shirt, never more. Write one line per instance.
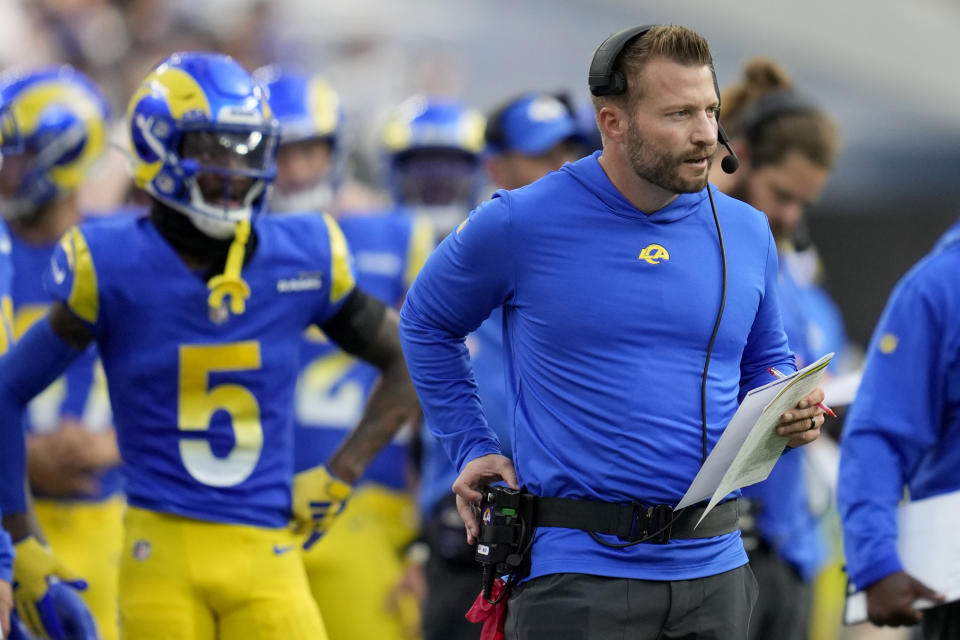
(486, 360)
(607, 316)
(904, 427)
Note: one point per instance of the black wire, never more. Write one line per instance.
(703, 402)
(716, 326)
(623, 545)
(703, 381)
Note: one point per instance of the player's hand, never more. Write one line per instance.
(318, 498)
(45, 594)
(406, 599)
(890, 600)
(6, 606)
(67, 461)
(485, 469)
(802, 423)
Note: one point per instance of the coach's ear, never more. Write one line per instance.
(613, 122)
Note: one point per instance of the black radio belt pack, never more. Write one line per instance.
(509, 519)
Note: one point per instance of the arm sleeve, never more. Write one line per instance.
(470, 273)
(892, 424)
(767, 343)
(6, 556)
(34, 362)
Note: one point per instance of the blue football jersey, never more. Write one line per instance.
(388, 249)
(6, 304)
(203, 399)
(81, 392)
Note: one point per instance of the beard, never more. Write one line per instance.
(661, 168)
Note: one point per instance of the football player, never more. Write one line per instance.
(62, 118)
(525, 138)
(9, 140)
(197, 311)
(354, 570)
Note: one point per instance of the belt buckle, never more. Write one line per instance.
(658, 523)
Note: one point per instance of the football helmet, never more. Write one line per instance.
(10, 140)
(432, 151)
(55, 120)
(203, 140)
(308, 109)
(531, 124)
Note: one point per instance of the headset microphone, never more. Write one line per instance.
(730, 163)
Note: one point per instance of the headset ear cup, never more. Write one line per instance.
(618, 84)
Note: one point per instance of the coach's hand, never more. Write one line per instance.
(890, 601)
(802, 423)
(482, 470)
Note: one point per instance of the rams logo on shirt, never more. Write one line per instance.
(653, 254)
(888, 343)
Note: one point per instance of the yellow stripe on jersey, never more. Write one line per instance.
(84, 298)
(421, 244)
(6, 324)
(25, 316)
(341, 274)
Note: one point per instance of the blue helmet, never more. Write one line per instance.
(10, 139)
(530, 125)
(61, 130)
(534, 123)
(433, 150)
(307, 108)
(203, 140)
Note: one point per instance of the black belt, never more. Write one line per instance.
(634, 521)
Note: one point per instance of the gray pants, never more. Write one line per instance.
(574, 606)
(785, 601)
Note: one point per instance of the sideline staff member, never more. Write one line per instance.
(903, 430)
(610, 275)
(787, 147)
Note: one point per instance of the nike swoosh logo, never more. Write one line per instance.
(279, 551)
(59, 275)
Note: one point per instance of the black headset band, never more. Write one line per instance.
(603, 79)
(773, 106)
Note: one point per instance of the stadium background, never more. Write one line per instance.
(885, 70)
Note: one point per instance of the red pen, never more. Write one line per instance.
(777, 374)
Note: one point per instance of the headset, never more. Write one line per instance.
(773, 106)
(604, 80)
